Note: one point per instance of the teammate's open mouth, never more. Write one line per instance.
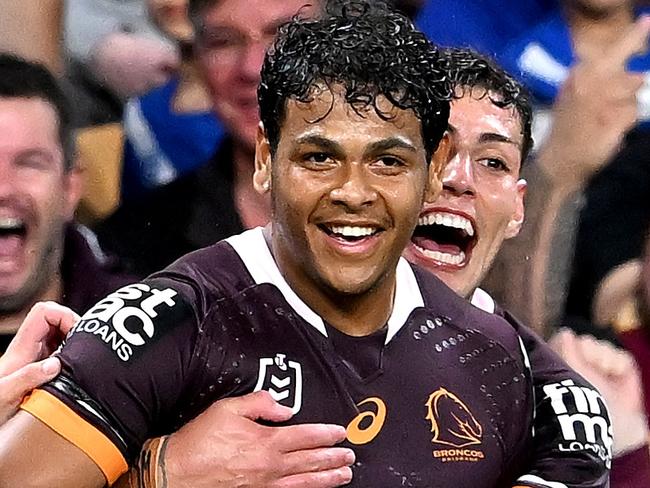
(445, 237)
(350, 233)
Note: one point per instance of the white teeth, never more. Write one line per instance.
(448, 220)
(443, 257)
(10, 223)
(350, 231)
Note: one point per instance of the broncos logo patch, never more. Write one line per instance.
(452, 424)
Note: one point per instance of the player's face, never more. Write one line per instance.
(171, 18)
(346, 191)
(36, 199)
(481, 203)
(231, 50)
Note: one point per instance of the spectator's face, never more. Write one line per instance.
(231, 50)
(481, 203)
(600, 7)
(346, 192)
(171, 18)
(37, 197)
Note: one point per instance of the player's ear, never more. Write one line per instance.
(514, 226)
(437, 166)
(262, 175)
(73, 189)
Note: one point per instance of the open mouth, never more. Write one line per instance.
(13, 231)
(350, 234)
(445, 237)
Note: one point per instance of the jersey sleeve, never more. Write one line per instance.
(126, 365)
(572, 437)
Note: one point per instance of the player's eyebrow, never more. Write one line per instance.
(488, 137)
(494, 137)
(390, 143)
(323, 143)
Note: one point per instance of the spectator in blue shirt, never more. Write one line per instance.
(171, 130)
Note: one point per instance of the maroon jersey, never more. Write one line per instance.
(572, 438)
(441, 396)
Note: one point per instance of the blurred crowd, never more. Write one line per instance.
(162, 123)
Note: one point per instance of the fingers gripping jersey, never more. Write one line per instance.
(449, 403)
(572, 442)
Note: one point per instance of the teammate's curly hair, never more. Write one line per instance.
(368, 50)
(469, 70)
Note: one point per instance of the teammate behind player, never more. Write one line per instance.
(482, 201)
(460, 233)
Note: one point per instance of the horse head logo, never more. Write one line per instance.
(452, 423)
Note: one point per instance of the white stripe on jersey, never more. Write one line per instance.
(408, 297)
(530, 478)
(253, 251)
(481, 299)
(256, 256)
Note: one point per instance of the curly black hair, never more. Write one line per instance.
(469, 70)
(368, 50)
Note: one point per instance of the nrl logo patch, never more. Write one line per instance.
(282, 379)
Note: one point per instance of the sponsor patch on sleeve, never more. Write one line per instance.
(583, 418)
(131, 317)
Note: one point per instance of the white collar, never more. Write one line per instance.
(481, 299)
(256, 256)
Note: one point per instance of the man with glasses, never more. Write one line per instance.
(232, 37)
